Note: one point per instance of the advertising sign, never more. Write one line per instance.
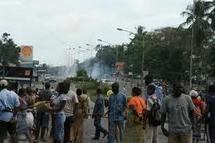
(16, 73)
(26, 53)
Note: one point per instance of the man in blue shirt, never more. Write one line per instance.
(210, 112)
(116, 113)
(98, 112)
(9, 102)
(158, 89)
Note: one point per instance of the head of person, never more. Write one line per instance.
(29, 91)
(136, 91)
(151, 89)
(84, 91)
(3, 84)
(21, 92)
(78, 92)
(177, 90)
(99, 91)
(148, 80)
(62, 88)
(211, 89)
(194, 94)
(115, 88)
(67, 84)
(47, 85)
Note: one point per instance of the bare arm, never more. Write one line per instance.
(163, 120)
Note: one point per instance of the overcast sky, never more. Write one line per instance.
(53, 26)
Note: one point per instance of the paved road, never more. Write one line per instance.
(89, 132)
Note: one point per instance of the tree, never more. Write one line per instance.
(197, 20)
(82, 73)
(211, 14)
(166, 52)
(9, 51)
(134, 53)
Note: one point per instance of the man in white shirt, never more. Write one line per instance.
(69, 110)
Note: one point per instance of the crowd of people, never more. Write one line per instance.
(131, 118)
(38, 114)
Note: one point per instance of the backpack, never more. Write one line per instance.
(155, 113)
(84, 107)
(106, 102)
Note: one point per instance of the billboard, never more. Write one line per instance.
(26, 53)
(16, 73)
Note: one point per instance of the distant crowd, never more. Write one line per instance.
(134, 118)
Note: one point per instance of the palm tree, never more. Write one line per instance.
(211, 14)
(197, 19)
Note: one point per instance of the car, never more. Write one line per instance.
(107, 81)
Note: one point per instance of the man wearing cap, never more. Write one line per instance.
(9, 103)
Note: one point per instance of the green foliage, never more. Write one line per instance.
(82, 73)
(9, 51)
(197, 18)
(166, 52)
(211, 59)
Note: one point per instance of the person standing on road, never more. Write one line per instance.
(9, 104)
(98, 112)
(180, 110)
(42, 118)
(24, 126)
(86, 100)
(81, 113)
(151, 130)
(70, 110)
(197, 116)
(116, 113)
(58, 103)
(134, 131)
(158, 89)
(210, 112)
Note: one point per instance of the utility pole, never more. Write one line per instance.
(191, 49)
(143, 58)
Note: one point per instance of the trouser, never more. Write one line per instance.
(151, 134)
(112, 127)
(59, 119)
(11, 129)
(212, 133)
(99, 128)
(67, 128)
(42, 122)
(180, 138)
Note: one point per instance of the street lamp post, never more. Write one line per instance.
(143, 53)
(117, 50)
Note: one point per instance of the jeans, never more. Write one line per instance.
(112, 128)
(67, 127)
(212, 133)
(99, 128)
(59, 119)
